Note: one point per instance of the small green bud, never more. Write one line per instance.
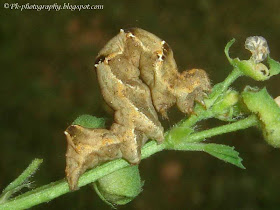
(268, 112)
(119, 187)
(177, 135)
(224, 109)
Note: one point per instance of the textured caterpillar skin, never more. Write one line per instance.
(138, 77)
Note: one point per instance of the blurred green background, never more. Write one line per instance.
(48, 80)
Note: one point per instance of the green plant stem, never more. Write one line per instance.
(21, 181)
(58, 188)
(223, 86)
(230, 79)
(55, 189)
(241, 124)
(193, 119)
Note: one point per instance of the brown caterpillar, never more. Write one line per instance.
(138, 77)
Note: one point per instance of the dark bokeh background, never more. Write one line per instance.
(47, 80)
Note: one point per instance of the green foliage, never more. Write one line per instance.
(274, 66)
(268, 112)
(225, 153)
(89, 121)
(220, 151)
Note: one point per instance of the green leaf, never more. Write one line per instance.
(274, 66)
(225, 153)
(267, 111)
(89, 121)
(229, 44)
(220, 151)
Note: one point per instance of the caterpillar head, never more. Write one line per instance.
(86, 149)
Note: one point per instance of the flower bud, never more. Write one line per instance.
(256, 71)
(253, 67)
(268, 112)
(119, 187)
(224, 109)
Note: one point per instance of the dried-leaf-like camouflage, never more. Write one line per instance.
(138, 77)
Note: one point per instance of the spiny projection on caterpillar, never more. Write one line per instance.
(138, 77)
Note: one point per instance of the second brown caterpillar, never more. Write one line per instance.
(138, 77)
